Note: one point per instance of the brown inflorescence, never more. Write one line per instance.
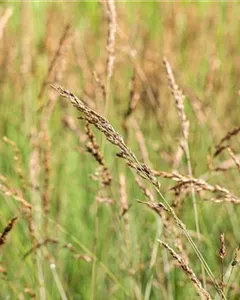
(94, 149)
(7, 229)
(187, 270)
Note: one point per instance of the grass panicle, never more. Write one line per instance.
(141, 169)
(6, 231)
(188, 271)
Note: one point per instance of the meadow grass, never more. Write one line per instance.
(129, 197)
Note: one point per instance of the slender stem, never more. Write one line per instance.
(222, 275)
(229, 278)
(148, 289)
(183, 228)
(96, 231)
(194, 202)
(198, 253)
(58, 282)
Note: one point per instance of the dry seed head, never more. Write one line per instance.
(7, 229)
(30, 292)
(184, 182)
(34, 161)
(187, 270)
(220, 149)
(124, 210)
(178, 155)
(85, 258)
(134, 96)
(94, 149)
(222, 251)
(105, 200)
(123, 195)
(8, 191)
(111, 135)
(18, 161)
(46, 149)
(55, 59)
(77, 255)
(94, 118)
(236, 257)
(157, 207)
(179, 98)
(99, 83)
(141, 169)
(46, 165)
(112, 28)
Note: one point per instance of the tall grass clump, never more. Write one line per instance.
(134, 193)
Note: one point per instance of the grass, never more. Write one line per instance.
(79, 240)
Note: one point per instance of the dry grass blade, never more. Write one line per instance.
(234, 158)
(4, 19)
(141, 169)
(7, 229)
(188, 271)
